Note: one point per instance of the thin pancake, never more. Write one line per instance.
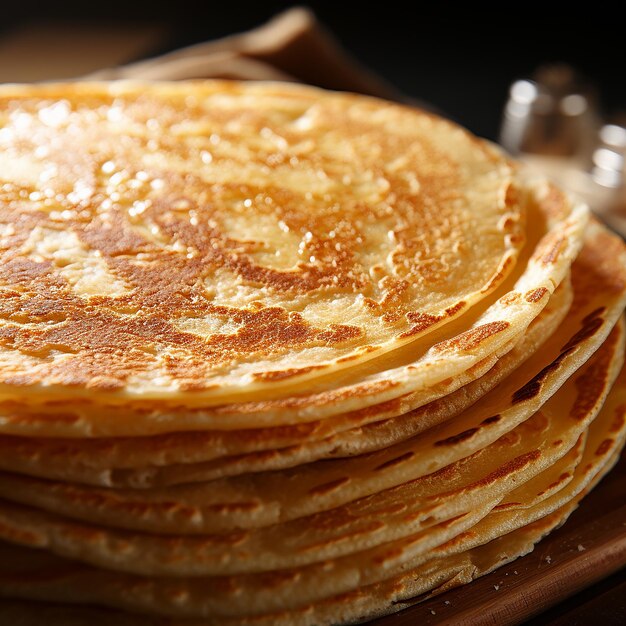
(212, 239)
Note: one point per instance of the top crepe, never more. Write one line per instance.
(210, 243)
(210, 240)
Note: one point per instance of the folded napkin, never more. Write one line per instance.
(293, 46)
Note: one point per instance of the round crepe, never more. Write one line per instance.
(34, 574)
(204, 241)
(187, 316)
(176, 458)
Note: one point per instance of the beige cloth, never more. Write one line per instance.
(293, 46)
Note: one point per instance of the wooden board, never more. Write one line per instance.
(590, 546)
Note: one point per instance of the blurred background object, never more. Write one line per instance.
(608, 161)
(552, 120)
(554, 113)
(37, 50)
(292, 46)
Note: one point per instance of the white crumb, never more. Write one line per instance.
(581, 548)
(447, 602)
(433, 611)
(515, 572)
(496, 587)
(548, 559)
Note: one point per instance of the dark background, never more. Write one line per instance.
(460, 56)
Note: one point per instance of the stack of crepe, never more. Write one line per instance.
(274, 355)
